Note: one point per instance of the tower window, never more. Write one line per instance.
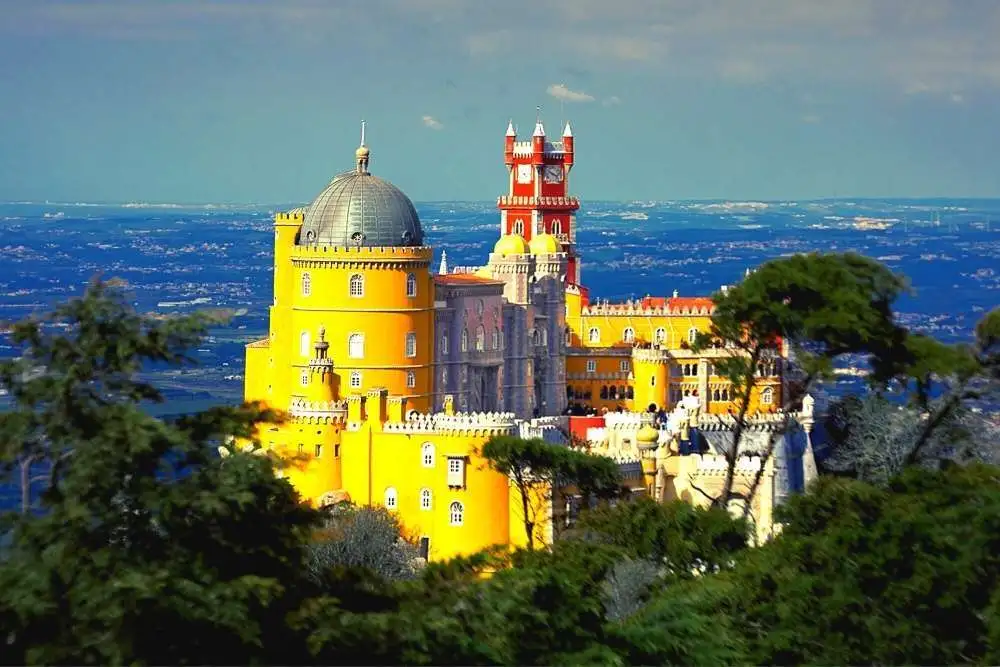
(766, 396)
(411, 344)
(425, 499)
(319, 451)
(692, 335)
(569, 336)
(465, 340)
(444, 377)
(411, 285)
(625, 366)
(356, 346)
(306, 284)
(304, 343)
(456, 471)
(557, 226)
(594, 335)
(427, 454)
(660, 336)
(444, 343)
(591, 365)
(456, 514)
(518, 227)
(355, 380)
(652, 381)
(411, 379)
(357, 285)
(304, 378)
(480, 338)
(391, 499)
(496, 339)
(628, 335)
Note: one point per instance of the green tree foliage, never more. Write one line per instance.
(146, 546)
(536, 466)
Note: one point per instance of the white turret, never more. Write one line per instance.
(567, 131)
(443, 269)
(510, 128)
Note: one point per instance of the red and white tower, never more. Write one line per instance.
(537, 199)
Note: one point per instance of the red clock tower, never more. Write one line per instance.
(537, 199)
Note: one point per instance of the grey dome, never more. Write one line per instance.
(358, 209)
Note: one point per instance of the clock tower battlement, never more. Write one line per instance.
(538, 199)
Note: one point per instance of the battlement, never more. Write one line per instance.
(388, 253)
(641, 309)
(482, 424)
(714, 465)
(263, 342)
(317, 412)
(527, 149)
(651, 355)
(568, 203)
(291, 217)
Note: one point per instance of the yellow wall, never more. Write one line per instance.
(652, 380)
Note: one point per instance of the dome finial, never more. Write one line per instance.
(361, 155)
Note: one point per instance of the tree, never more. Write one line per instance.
(820, 306)
(146, 546)
(369, 537)
(539, 470)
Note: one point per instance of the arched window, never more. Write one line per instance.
(355, 380)
(536, 337)
(766, 396)
(652, 380)
(456, 514)
(427, 454)
(557, 226)
(391, 500)
(357, 285)
(594, 335)
(692, 335)
(444, 343)
(628, 335)
(304, 343)
(660, 335)
(518, 227)
(356, 346)
(480, 338)
(629, 392)
(411, 285)
(496, 339)
(604, 392)
(569, 336)
(306, 284)
(425, 499)
(465, 340)
(304, 378)
(411, 379)
(444, 377)
(411, 344)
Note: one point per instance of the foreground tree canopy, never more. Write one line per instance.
(133, 541)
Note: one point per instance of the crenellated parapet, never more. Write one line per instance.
(638, 309)
(294, 217)
(384, 257)
(714, 465)
(317, 412)
(470, 424)
(651, 355)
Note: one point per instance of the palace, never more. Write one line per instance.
(393, 377)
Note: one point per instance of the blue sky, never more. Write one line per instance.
(258, 101)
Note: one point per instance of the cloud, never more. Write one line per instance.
(432, 122)
(561, 92)
(612, 101)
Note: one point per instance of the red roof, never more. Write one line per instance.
(464, 279)
(678, 302)
(578, 426)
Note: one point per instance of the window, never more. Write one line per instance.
(411, 344)
(480, 306)
(652, 380)
(591, 365)
(569, 336)
(557, 226)
(357, 285)
(480, 338)
(319, 451)
(444, 343)
(456, 514)
(692, 335)
(456, 471)
(594, 335)
(624, 366)
(660, 336)
(391, 498)
(518, 227)
(766, 396)
(304, 344)
(355, 380)
(427, 454)
(411, 379)
(444, 377)
(356, 346)
(425, 499)
(628, 335)
(304, 378)
(465, 340)
(411, 285)
(495, 342)
(306, 284)
(302, 448)
(336, 451)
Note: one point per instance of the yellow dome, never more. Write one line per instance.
(647, 434)
(545, 244)
(511, 244)
(361, 152)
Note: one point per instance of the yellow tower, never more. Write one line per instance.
(652, 376)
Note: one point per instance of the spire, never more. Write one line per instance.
(567, 131)
(539, 129)
(361, 155)
(443, 269)
(510, 128)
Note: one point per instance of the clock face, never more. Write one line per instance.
(524, 173)
(553, 173)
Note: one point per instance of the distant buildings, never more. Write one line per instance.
(393, 377)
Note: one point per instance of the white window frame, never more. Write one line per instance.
(456, 513)
(625, 365)
(456, 471)
(411, 344)
(480, 338)
(427, 454)
(444, 343)
(767, 396)
(495, 339)
(411, 285)
(411, 379)
(304, 344)
(591, 365)
(628, 335)
(465, 340)
(304, 378)
(356, 345)
(426, 499)
(692, 334)
(391, 499)
(306, 283)
(594, 335)
(355, 381)
(356, 285)
(660, 335)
